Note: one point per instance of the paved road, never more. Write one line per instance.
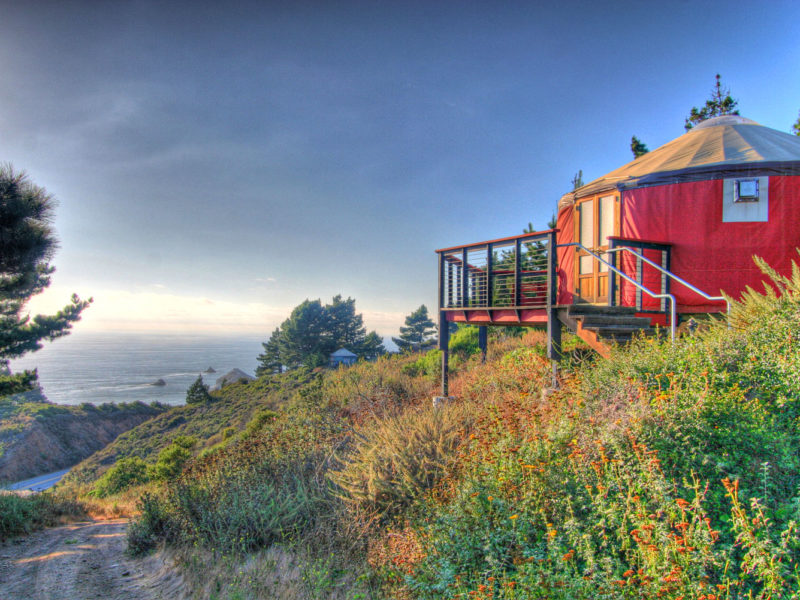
(37, 484)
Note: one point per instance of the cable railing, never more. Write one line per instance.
(669, 274)
(520, 272)
(509, 273)
(632, 281)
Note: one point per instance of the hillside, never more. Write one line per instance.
(37, 436)
(666, 471)
(669, 471)
(231, 409)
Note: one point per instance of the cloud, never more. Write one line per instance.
(148, 310)
(265, 280)
(122, 310)
(385, 323)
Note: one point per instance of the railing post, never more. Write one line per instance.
(552, 270)
(665, 263)
(489, 277)
(639, 304)
(612, 276)
(517, 294)
(464, 279)
(442, 286)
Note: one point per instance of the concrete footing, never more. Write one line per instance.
(439, 401)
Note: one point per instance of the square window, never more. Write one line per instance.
(746, 190)
(745, 200)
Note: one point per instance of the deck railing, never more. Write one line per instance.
(653, 272)
(636, 249)
(517, 272)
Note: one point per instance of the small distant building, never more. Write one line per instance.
(232, 376)
(343, 356)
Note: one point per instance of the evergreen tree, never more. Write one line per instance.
(577, 180)
(198, 392)
(418, 332)
(720, 103)
(796, 126)
(304, 339)
(27, 243)
(346, 327)
(270, 360)
(372, 346)
(313, 331)
(638, 147)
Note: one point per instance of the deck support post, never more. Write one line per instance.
(444, 342)
(553, 322)
(483, 340)
(554, 343)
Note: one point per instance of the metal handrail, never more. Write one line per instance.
(632, 281)
(675, 277)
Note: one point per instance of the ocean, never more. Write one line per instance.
(120, 367)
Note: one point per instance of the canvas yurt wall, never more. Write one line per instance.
(686, 193)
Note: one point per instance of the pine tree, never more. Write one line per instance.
(719, 104)
(304, 339)
(313, 331)
(346, 328)
(27, 243)
(270, 360)
(796, 126)
(577, 180)
(418, 332)
(372, 346)
(198, 392)
(638, 147)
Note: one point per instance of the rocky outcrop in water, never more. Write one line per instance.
(232, 376)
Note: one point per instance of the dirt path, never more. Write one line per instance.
(82, 561)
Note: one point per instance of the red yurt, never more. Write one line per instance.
(701, 206)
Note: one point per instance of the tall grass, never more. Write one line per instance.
(22, 514)
(668, 471)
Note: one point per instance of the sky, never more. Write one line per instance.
(215, 165)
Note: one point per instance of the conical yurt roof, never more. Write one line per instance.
(344, 353)
(729, 145)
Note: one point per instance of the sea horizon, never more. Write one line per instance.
(121, 366)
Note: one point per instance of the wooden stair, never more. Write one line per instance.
(600, 326)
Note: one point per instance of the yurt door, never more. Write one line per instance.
(598, 218)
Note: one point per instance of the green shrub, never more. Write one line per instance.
(153, 524)
(261, 418)
(465, 341)
(127, 472)
(670, 470)
(170, 462)
(428, 364)
(21, 515)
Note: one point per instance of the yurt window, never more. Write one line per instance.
(587, 233)
(745, 199)
(606, 222)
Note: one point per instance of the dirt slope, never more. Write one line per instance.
(56, 437)
(81, 561)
